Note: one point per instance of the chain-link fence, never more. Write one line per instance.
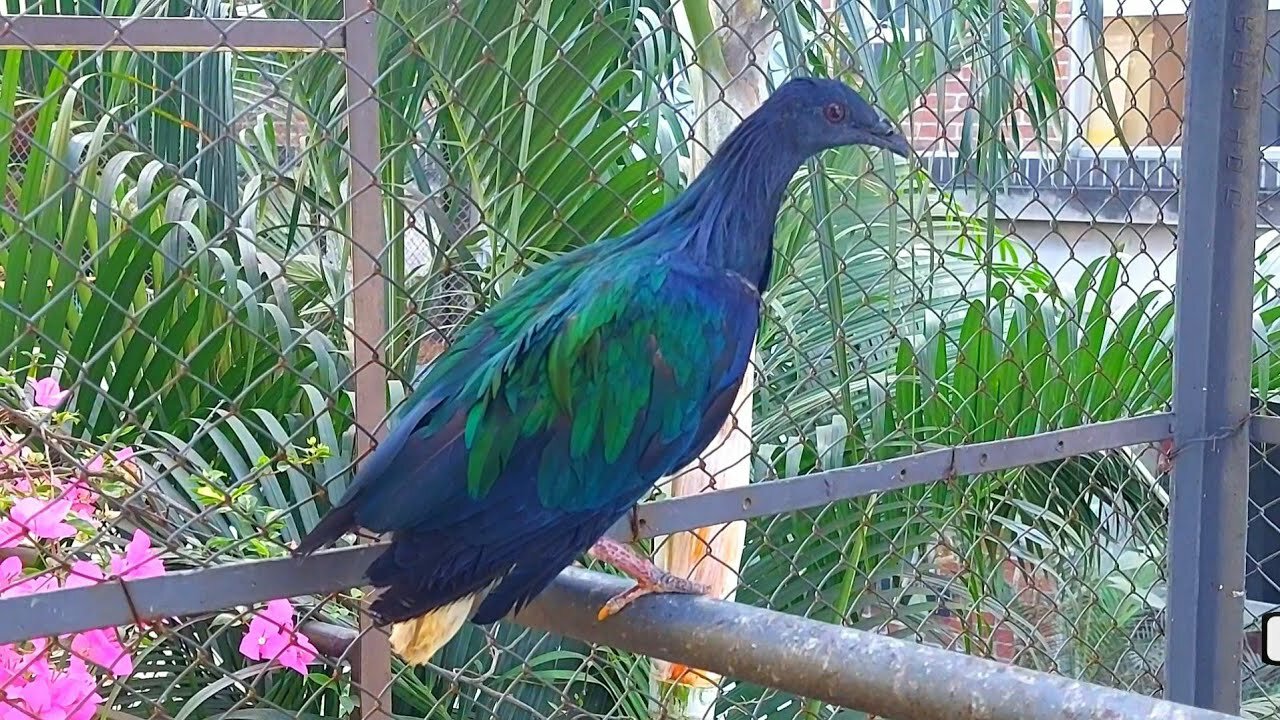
(236, 233)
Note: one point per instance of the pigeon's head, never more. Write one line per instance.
(819, 114)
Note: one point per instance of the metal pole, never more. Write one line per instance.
(878, 675)
(372, 667)
(167, 34)
(863, 671)
(1213, 296)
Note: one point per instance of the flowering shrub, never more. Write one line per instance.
(272, 636)
(51, 489)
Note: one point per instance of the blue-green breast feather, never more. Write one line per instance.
(549, 417)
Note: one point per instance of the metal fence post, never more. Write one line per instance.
(1216, 231)
(372, 668)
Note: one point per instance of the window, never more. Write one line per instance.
(1143, 53)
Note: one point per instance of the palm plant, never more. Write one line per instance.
(455, 135)
(893, 255)
(179, 338)
(490, 186)
(163, 322)
(177, 105)
(875, 281)
(1104, 624)
(1017, 364)
(493, 188)
(1105, 627)
(495, 185)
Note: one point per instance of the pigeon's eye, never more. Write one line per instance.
(834, 113)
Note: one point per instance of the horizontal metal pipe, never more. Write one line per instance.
(864, 671)
(872, 673)
(211, 589)
(165, 34)
(664, 517)
(182, 593)
(331, 640)
(850, 668)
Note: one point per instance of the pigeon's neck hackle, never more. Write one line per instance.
(726, 217)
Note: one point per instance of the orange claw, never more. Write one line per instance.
(650, 579)
(670, 584)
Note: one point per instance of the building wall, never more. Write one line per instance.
(937, 123)
(1066, 248)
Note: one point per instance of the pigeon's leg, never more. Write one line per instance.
(650, 579)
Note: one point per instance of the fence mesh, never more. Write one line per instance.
(1261, 683)
(198, 329)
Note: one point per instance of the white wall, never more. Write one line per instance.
(1066, 248)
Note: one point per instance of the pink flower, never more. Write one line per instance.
(83, 500)
(271, 636)
(98, 463)
(139, 560)
(47, 394)
(10, 568)
(102, 647)
(83, 497)
(275, 620)
(9, 449)
(11, 665)
(49, 694)
(289, 649)
(83, 574)
(10, 573)
(10, 534)
(14, 584)
(15, 666)
(38, 518)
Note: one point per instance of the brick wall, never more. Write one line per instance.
(939, 128)
(937, 123)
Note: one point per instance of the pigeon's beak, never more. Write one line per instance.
(899, 146)
(888, 137)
